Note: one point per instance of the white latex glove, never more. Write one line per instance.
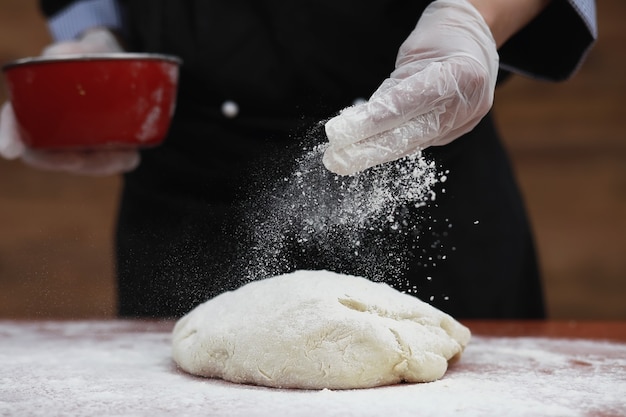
(97, 163)
(443, 85)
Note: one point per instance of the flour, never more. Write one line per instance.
(340, 217)
(123, 368)
(150, 126)
(317, 329)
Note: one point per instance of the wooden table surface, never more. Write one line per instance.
(593, 330)
(124, 367)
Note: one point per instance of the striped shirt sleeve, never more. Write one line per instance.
(69, 22)
(555, 43)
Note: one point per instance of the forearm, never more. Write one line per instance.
(507, 17)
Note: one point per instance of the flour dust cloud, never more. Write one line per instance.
(364, 224)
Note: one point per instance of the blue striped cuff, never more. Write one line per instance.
(587, 11)
(72, 21)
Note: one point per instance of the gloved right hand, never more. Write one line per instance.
(85, 162)
(442, 86)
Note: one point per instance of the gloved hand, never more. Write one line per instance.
(97, 163)
(443, 85)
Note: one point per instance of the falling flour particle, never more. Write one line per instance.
(340, 217)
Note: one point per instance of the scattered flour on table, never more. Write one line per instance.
(340, 217)
(125, 368)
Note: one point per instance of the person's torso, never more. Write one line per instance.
(276, 57)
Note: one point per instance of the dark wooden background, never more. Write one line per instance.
(567, 141)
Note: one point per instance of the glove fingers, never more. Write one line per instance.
(99, 163)
(63, 48)
(70, 48)
(110, 163)
(395, 104)
(96, 41)
(11, 146)
(383, 147)
(384, 87)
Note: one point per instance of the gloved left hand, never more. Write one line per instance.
(443, 85)
(93, 163)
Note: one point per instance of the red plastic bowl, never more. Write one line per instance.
(93, 101)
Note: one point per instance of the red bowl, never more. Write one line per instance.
(121, 100)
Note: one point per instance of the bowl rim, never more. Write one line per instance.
(112, 56)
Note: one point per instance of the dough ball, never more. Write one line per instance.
(315, 330)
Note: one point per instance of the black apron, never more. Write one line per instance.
(289, 65)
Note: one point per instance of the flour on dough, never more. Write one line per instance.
(315, 330)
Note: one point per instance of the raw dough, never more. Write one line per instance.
(315, 330)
